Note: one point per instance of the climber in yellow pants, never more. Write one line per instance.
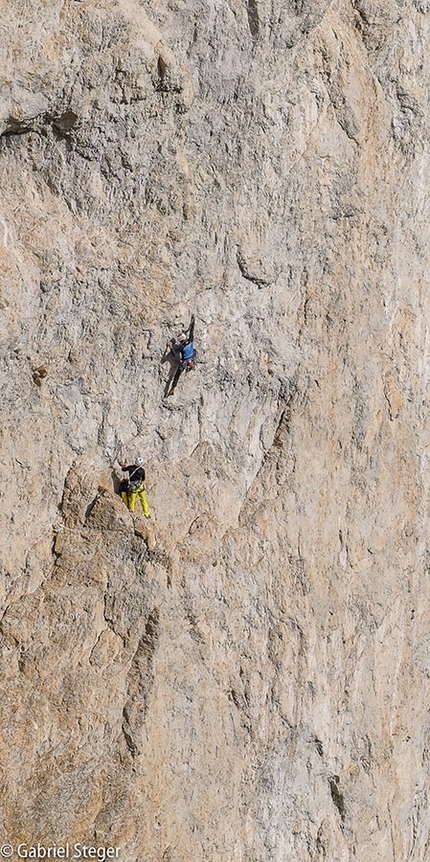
(136, 487)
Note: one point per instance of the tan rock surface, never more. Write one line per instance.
(245, 675)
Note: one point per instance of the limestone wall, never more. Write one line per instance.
(245, 676)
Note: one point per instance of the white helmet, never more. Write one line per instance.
(139, 461)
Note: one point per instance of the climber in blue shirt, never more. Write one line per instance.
(183, 350)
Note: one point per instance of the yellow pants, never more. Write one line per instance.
(130, 499)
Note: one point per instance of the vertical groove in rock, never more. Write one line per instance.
(253, 19)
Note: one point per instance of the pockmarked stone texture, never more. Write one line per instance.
(245, 675)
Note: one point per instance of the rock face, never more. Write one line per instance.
(246, 675)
